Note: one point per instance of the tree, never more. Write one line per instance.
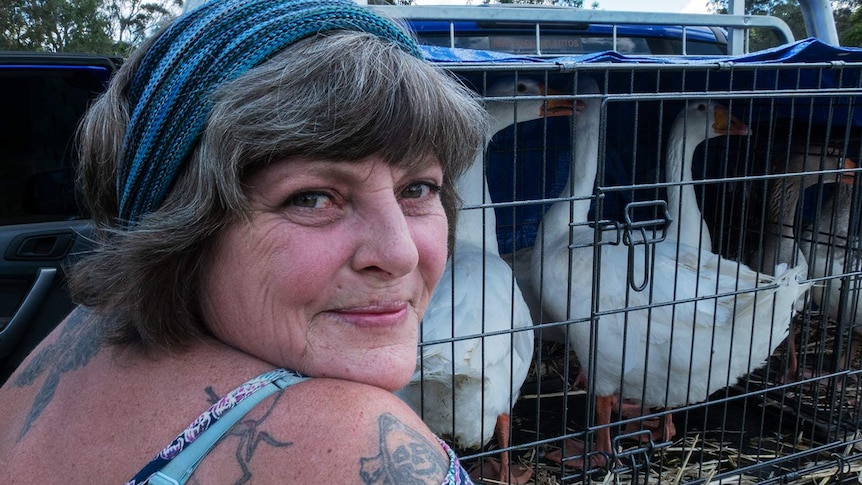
(845, 12)
(847, 17)
(95, 26)
(132, 21)
(852, 35)
(54, 25)
(13, 31)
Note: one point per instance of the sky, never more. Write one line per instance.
(676, 6)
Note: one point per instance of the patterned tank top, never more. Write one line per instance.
(177, 461)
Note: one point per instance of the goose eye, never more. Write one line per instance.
(701, 107)
(522, 88)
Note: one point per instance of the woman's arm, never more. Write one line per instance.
(328, 431)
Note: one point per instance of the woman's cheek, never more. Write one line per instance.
(432, 243)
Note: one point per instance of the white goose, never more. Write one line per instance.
(466, 389)
(781, 227)
(647, 347)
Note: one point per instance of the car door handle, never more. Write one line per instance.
(40, 246)
(11, 332)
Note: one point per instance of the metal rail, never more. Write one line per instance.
(557, 15)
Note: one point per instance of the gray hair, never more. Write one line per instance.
(339, 95)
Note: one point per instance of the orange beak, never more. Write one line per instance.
(557, 107)
(726, 123)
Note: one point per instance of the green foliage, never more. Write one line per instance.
(851, 35)
(847, 22)
(845, 12)
(93, 26)
(54, 25)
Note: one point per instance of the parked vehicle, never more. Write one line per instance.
(566, 38)
(542, 30)
(42, 225)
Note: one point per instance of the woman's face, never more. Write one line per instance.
(333, 272)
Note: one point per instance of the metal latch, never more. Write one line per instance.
(644, 233)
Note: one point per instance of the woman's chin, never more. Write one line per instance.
(396, 374)
(396, 384)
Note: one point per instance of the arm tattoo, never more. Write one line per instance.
(73, 349)
(405, 457)
(249, 436)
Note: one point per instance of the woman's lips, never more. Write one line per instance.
(378, 315)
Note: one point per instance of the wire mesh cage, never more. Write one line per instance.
(655, 277)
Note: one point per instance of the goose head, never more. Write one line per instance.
(698, 122)
(505, 108)
(702, 119)
(815, 158)
(784, 193)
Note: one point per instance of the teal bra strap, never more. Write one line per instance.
(181, 467)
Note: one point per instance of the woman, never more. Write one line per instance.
(271, 181)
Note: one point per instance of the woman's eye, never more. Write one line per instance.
(311, 200)
(419, 190)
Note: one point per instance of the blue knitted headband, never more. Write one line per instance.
(169, 94)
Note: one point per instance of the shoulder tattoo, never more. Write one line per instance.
(250, 436)
(405, 457)
(73, 349)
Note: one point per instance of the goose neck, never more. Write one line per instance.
(581, 179)
(686, 224)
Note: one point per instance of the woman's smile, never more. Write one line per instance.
(377, 315)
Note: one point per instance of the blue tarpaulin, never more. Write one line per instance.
(807, 50)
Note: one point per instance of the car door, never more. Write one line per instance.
(43, 227)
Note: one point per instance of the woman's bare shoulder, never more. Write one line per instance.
(329, 431)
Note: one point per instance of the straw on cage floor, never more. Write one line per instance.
(803, 432)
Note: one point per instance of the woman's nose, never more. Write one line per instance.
(384, 241)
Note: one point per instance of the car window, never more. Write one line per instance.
(39, 114)
(552, 44)
(570, 38)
